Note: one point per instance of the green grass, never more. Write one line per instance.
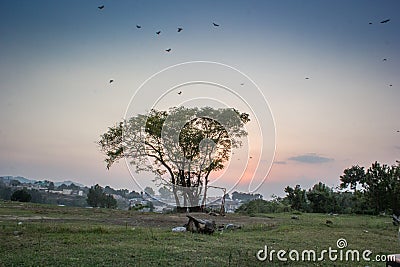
(66, 236)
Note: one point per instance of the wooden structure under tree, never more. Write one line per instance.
(222, 209)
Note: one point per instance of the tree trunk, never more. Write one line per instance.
(177, 202)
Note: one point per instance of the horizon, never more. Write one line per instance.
(320, 79)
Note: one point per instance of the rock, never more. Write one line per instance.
(200, 226)
(396, 219)
(17, 233)
(231, 226)
(179, 229)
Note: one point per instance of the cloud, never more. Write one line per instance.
(311, 158)
(279, 162)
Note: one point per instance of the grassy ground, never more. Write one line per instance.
(43, 235)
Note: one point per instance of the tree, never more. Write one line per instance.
(380, 187)
(182, 146)
(149, 191)
(321, 199)
(73, 186)
(5, 192)
(165, 193)
(109, 202)
(36, 196)
(352, 177)
(21, 195)
(95, 195)
(382, 183)
(62, 187)
(109, 190)
(297, 198)
(98, 198)
(51, 186)
(133, 194)
(15, 183)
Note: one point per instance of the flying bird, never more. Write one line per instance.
(111, 81)
(138, 26)
(180, 29)
(168, 50)
(180, 92)
(100, 7)
(385, 21)
(242, 84)
(158, 32)
(307, 78)
(398, 131)
(370, 23)
(385, 59)
(215, 24)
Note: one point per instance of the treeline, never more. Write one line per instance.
(17, 191)
(95, 196)
(362, 191)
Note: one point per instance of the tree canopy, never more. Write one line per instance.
(96, 197)
(182, 146)
(21, 195)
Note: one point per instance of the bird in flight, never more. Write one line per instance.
(242, 84)
(385, 59)
(370, 23)
(111, 81)
(215, 24)
(385, 21)
(398, 131)
(307, 78)
(168, 50)
(158, 32)
(100, 7)
(138, 26)
(180, 29)
(180, 92)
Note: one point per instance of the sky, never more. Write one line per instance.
(320, 80)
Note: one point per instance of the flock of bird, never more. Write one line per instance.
(158, 33)
(180, 29)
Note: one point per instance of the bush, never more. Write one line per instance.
(21, 196)
(262, 206)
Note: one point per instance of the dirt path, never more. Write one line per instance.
(144, 219)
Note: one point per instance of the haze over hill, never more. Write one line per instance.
(27, 180)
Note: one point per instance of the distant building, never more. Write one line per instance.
(67, 191)
(230, 205)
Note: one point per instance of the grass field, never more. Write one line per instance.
(44, 235)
